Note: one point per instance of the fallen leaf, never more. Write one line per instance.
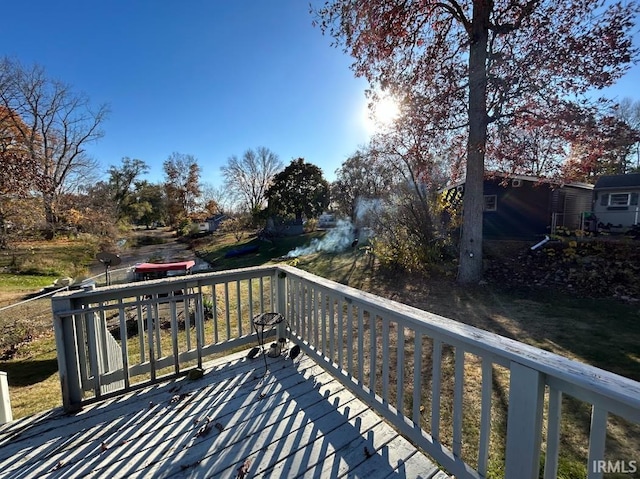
(206, 427)
(243, 470)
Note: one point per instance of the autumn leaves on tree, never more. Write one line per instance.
(480, 67)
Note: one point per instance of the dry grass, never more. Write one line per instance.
(34, 384)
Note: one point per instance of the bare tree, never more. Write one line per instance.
(212, 194)
(361, 177)
(55, 123)
(629, 112)
(248, 178)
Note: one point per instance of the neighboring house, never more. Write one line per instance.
(211, 224)
(277, 226)
(615, 202)
(326, 220)
(520, 207)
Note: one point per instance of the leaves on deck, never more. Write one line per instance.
(178, 397)
(205, 428)
(243, 470)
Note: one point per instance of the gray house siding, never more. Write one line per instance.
(616, 202)
(524, 207)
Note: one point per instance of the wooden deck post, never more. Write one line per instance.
(68, 362)
(5, 401)
(524, 423)
(281, 301)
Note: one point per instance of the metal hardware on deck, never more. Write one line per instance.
(262, 322)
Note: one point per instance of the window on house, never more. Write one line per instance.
(619, 199)
(490, 203)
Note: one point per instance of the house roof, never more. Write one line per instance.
(488, 175)
(619, 181)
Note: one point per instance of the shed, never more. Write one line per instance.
(211, 224)
(615, 202)
(527, 207)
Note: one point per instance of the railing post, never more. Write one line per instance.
(281, 300)
(5, 401)
(68, 363)
(524, 423)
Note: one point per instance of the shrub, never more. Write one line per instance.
(411, 231)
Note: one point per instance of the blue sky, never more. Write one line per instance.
(209, 78)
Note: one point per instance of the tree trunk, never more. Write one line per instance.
(49, 216)
(470, 268)
(4, 232)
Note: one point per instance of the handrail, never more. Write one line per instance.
(585, 376)
(159, 325)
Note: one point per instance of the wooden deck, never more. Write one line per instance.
(297, 421)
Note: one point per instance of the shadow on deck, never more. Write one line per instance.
(296, 421)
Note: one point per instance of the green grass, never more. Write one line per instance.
(218, 246)
(59, 257)
(24, 282)
(601, 332)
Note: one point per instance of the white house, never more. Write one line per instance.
(615, 202)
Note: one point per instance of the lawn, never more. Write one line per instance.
(214, 249)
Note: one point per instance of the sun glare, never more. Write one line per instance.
(383, 114)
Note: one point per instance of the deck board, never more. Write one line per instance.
(296, 421)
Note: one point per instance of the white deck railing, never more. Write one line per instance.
(438, 388)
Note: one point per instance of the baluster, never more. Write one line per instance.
(597, 438)
(553, 434)
(458, 411)
(435, 389)
(385, 360)
(417, 378)
(400, 370)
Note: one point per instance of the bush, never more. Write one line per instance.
(184, 227)
(311, 225)
(410, 232)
